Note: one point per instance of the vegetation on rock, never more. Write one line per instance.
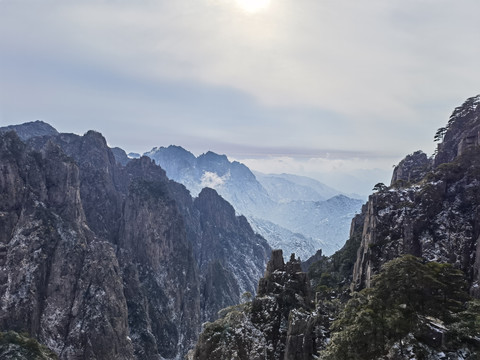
(409, 298)
(17, 346)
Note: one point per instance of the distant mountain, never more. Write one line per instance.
(133, 155)
(295, 213)
(288, 187)
(232, 180)
(282, 238)
(327, 222)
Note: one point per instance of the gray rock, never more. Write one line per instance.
(278, 324)
(30, 129)
(104, 261)
(434, 217)
(411, 169)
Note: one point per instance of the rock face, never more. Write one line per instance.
(277, 324)
(436, 216)
(31, 129)
(461, 132)
(59, 282)
(224, 237)
(104, 261)
(411, 169)
(120, 156)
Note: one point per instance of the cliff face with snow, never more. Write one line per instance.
(432, 208)
(60, 283)
(104, 261)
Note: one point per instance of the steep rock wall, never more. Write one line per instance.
(59, 282)
(277, 324)
(437, 216)
(100, 261)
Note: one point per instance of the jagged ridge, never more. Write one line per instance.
(101, 261)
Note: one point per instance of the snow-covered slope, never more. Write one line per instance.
(294, 213)
(232, 180)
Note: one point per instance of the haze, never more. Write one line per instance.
(336, 90)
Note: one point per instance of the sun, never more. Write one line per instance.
(253, 6)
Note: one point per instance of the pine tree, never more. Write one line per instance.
(404, 293)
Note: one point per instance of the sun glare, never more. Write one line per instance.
(253, 6)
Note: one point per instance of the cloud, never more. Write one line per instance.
(212, 180)
(314, 166)
(361, 59)
(346, 172)
(371, 77)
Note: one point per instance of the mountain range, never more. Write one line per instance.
(104, 257)
(294, 213)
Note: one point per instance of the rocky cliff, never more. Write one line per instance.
(432, 208)
(277, 324)
(104, 261)
(231, 256)
(411, 169)
(59, 282)
(31, 129)
(461, 132)
(412, 258)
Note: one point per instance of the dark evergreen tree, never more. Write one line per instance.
(404, 295)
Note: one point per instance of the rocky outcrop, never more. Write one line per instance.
(283, 288)
(30, 130)
(120, 156)
(278, 324)
(436, 219)
(102, 261)
(461, 133)
(304, 336)
(103, 184)
(436, 216)
(411, 169)
(224, 237)
(158, 260)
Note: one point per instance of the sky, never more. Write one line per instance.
(336, 90)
